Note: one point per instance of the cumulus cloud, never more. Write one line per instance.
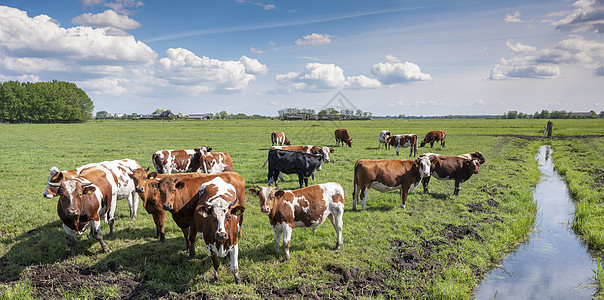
(575, 50)
(315, 76)
(120, 6)
(515, 18)
(108, 18)
(314, 39)
(520, 48)
(588, 15)
(183, 67)
(394, 71)
(265, 6)
(253, 66)
(362, 82)
(257, 51)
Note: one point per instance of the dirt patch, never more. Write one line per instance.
(454, 233)
(475, 207)
(598, 176)
(55, 281)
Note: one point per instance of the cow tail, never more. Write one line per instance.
(444, 135)
(355, 181)
(157, 164)
(265, 162)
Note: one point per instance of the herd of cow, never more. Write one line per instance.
(208, 198)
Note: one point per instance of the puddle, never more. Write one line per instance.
(553, 263)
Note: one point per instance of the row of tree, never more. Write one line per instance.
(554, 114)
(329, 113)
(44, 102)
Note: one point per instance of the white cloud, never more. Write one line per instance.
(183, 67)
(117, 5)
(265, 6)
(314, 39)
(257, 51)
(362, 82)
(575, 50)
(315, 76)
(588, 15)
(394, 71)
(520, 48)
(515, 18)
(108, 18)
(253, 66)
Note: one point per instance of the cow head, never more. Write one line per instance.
(72, 194)
(349, 143)
(422, 143)
(54, 180)
(325, 151)
(424, 164)
(219, 204)
(267, 195)
(473, 164)
(168, 187)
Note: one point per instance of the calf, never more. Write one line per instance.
(387, 175)
(384, 135)
(455, 168)
(404, 140)
(168, 161)
(306, 208)
(180, 198)
(292, 162)
(82, 202)
(279, 139)
(217, 218)
(342, 136)
(147, 187)
(434, 136)
(216, 162)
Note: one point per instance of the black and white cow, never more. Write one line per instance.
(292, 162)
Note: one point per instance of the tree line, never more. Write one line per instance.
(329, 113)
(44, 102)
(554, 114)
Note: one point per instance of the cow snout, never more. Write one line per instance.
(167, 206)
(139, 190)
(72, 212)
(476, 171)
(221, 236)
(264, 209)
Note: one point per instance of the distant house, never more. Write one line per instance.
(166, 114)
(199, 116)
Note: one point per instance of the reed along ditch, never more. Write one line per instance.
(553, 263)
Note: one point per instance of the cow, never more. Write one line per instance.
(147, 187)
(292, 162)
(180, 198)
(342, 137)
(305, 208)
(310, 149)
(404, 140)
(279, 139)
(384, 135)
(434, 136)
(215, 162)
(387, 175)
(168, 161)
(217, 218)
(455, 168)
(118, 176)
(83, 200)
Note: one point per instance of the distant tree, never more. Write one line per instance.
(102, 115)
(223, 115)
(593, 114)
(158, 111)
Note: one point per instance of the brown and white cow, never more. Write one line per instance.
(303, 208)
(215, 162)
(387, 175)
(168, 161)
(404, 140)
(217, 219)
(279, 139)
(474, 155)
(342, 136)
(147, 187)
(455, 168)
(83, 200)
(118, 176)
(384, 135)
(180, 197)
(434, 136)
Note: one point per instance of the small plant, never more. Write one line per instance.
(599, 278)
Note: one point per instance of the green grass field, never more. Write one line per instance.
(438, 247)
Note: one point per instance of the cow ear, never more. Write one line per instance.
(238, 210)
(209, 149)
(254, 192)
(279, 193)
(89, 190)
(59, 177)
(180, 184)
(152, 175)
(331, 150)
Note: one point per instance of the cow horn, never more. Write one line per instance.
(233, 203)
(54, 183)
(86, 184)
(258, 186)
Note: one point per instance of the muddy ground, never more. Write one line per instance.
(57, 281)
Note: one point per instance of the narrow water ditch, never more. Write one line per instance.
(553, 263)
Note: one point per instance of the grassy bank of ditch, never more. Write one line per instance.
(438, 247)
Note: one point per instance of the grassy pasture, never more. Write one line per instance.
(438, 247)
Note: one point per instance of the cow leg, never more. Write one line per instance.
(277, 239)
(235, 263)
(336, 221)
(96, 231)
(281, 177)
(410, 151)
(191, 240)
(159, 218)
(287, 236)
(305, 181)
(185, 233)
(355, 196)
(364, 198)
(431, 144)
(216, 264)
(133, 203)
(110, 222)
(404, 193)
(397, 150)
(301, 180)
(457, 187)
(72, 238)
(425, 182)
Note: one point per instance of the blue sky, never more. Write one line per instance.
(256, 57)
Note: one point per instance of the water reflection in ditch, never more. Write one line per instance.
(553, 263)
